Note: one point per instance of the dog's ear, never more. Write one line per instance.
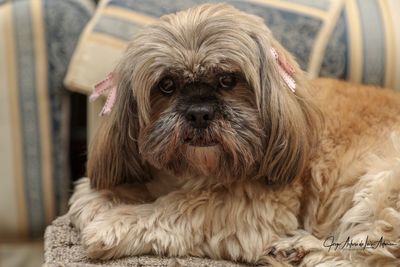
(290, 118)
(113, 154)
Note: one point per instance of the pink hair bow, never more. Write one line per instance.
(107, 88)
(285, 70)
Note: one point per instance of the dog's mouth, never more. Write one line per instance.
(200, 142)
(200, 138)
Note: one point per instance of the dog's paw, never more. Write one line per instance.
(294, 248)
(102, 239)
(118, 232)
(293, 255)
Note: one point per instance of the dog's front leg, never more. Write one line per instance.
(163, 227)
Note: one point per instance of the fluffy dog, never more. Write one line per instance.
(218, 146)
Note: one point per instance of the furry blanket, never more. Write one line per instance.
(63, 248)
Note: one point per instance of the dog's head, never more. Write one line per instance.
(202, 93)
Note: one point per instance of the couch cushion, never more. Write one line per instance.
(352, 40)
(37, 38)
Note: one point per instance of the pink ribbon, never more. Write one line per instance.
(285, 70)
(108, 88)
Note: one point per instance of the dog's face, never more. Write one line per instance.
(199, 93)
(202, 121)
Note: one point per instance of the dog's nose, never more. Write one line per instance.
(199, 116)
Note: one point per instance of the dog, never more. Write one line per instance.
(219, 146)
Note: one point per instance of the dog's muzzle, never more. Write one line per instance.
(198, 105)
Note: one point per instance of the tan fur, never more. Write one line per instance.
(288, 170)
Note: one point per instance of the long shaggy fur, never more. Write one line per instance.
(287, 172)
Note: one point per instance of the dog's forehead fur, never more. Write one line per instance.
(200, 40)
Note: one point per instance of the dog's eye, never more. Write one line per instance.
(167, 85)
(227, 81)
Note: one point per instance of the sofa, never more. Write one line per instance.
(51, 48)
(37, 40)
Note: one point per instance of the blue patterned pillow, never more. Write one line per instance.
(37, 38)
(351, 40)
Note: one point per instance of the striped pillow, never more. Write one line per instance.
(37, 38)
(352, 40)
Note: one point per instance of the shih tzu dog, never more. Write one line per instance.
(218, 146)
